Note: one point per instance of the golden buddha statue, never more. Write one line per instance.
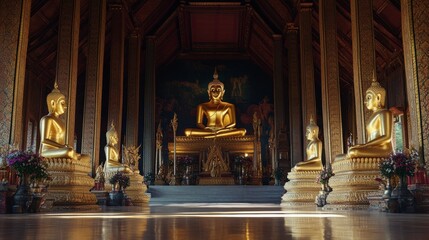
(220, 116)
(313, 150)
(53, 129)
(112, 153)
(378, 129)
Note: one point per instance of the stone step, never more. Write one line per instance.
(215, 194)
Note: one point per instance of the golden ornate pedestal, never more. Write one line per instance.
(224, 179)
(136, 191)
(189, 145)
(354, 179)
(301, 189)
(71, 184)
(376, 201)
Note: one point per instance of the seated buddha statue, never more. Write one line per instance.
(53, 129)
(112, 163)
(378, 129)
(313, 150)
(218, 115)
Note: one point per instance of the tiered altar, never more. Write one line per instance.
(202, 148)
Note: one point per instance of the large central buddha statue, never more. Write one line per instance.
(53, 129)
(219, 116)
(313, 150)
(378, 128)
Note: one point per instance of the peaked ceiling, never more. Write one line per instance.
(215, 30)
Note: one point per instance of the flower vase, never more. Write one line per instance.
(326, 187)
(117, 198)
(187, 177)
(23, 196)
(404, 197)
(388, 189)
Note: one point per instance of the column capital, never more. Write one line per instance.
(291, 27)
(115, 6)
(277, 37)
(135, 33)
(306, 6)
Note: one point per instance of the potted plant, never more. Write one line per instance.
(31, 169)
(279, 176)
(119, 182)
(404, 165)
(387, 170)
(188, 176)
(324, 177)
(242, 165)
(149, 178)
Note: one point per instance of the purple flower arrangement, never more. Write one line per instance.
(120, 179)
(185, 160)
(242, 160)
(387, 168)
(325, 175)
(27, 163)
(400, 163)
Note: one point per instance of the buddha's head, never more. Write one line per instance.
(56, 101)
(375, 95)
(312, 130)
(215, 88)
(112, 135)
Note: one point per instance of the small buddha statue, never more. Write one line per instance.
(112, 153)
(313, 150)
(53, 129)
(99, 174)
(219, 115)
(378, 129)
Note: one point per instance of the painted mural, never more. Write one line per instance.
(182, 85)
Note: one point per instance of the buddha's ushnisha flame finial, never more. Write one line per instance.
(311, 119)
(215, 75)
(216, 80)
(112, 125)
(55, 87)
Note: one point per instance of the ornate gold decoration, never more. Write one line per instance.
(70, 183)
(301, 188)
(353, 182)
(215, 163)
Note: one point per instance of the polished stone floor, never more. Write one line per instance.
(214, 221)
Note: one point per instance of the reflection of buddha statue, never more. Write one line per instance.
(378, 129)
(220, 116)
(53, 129)
(112, 153)
(313, 150)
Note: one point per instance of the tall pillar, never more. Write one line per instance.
(415, 35)
(363, 60)
(14, 25)
(94, 82)
(292, 39)
(308, 91)
(133, 89)
(67, 56)
(331, 100)
(279, 105)
(116, 83)
(149, 107)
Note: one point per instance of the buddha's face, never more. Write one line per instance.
(114, 139)
(58, 106)
(372, 101)
(310, 133)
(216, 92)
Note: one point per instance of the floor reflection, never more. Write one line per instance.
(213, 221)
